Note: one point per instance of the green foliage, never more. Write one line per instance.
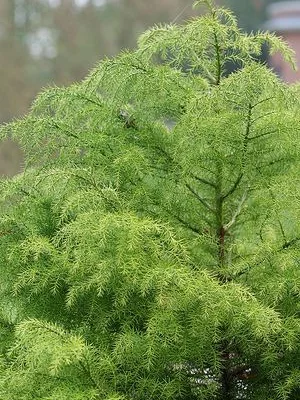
(151, 247)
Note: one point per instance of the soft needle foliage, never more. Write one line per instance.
(150, 250)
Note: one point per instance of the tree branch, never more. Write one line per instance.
(64, 130)
(261, 135)
(244, 151)
(187, 225)
(285, 246)
(83, 97)
(247, 133)
(262, 101)
(289, 243)
(237, 212)
(263, 116)
(206, 182)
(234, 186)
(202, 201)
(218, 59)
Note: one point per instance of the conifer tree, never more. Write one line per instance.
(150, 249)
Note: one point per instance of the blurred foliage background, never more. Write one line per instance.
(45, 42)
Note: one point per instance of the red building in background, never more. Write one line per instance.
(284, 19)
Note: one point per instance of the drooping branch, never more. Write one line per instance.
(198, 197)
(187, 224)
(165, 153)
(67, 132)
(88, 99)
(204, 181)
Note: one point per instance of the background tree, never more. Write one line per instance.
(251, 13)
(155, 251)
(59, 41)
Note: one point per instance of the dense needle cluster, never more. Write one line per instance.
(150, 249)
